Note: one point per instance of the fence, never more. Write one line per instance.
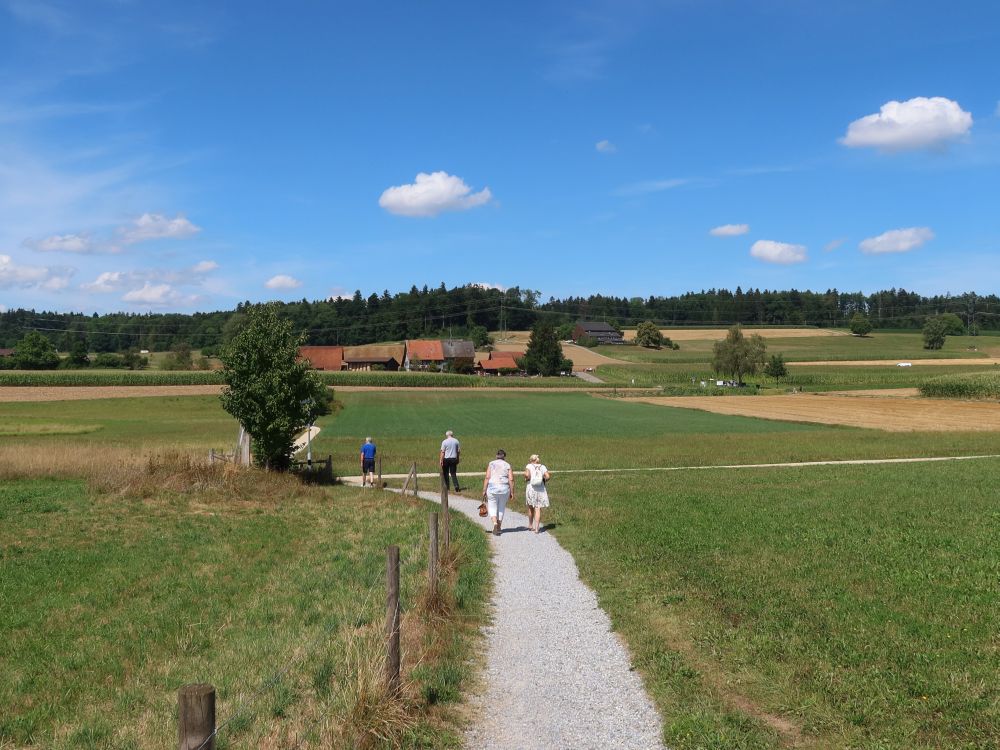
(197, 727)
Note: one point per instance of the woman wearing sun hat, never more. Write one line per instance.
(536, 496)
(498, 488)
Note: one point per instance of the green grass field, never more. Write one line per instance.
(826, 606)
(901, 346)
(153, 573)
(816, 607)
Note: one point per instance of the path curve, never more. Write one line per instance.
(556, 675)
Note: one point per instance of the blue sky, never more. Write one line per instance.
(165, 156)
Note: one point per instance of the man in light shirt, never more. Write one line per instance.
(451, 452)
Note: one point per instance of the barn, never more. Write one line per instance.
(375, 356)
(603, 333)
(323, 357)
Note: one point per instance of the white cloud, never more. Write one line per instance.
(156, 227)
(158, 295)
(729, 230)
(3, 308)
(204, 266)
(897, 240)
(488, 285)
(108, 281)
(770, 251)
(914, 124)
(829, 247)
(650, 186)
(32, 277)
(282, 281)
(432, 194)
(65, 243)
(606, 147)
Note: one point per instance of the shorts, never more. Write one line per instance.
(368, 465)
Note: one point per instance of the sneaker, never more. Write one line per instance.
(496, 529)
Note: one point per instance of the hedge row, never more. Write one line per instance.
(61, 378)
(972, 385)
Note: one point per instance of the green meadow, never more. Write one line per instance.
(815, 607)
(878, 345)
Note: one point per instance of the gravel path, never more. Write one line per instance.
(556, 676)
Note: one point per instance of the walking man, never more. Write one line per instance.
(368, 462)
(451, 453)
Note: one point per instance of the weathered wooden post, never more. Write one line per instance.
(379, 460)
(446, 530)
(432, 556)
(196, 717)
(392, 620)
(211, 456)
(414, 478)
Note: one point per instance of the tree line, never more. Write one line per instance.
(470, 311)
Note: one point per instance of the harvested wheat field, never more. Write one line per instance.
(717, 334)
(87, 392)
(888, 413)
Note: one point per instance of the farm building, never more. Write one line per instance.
(458, 353)
(498, 363)
(423, 352)
(6, 352)
(604, 333)
(323, 357)
(377, 356)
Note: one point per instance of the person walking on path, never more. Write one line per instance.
(498, 488)
(368, 451)
(451, 453)
(536, 496)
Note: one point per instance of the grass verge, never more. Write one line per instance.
(119, 589)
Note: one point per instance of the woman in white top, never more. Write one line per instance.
(498, 488)
(535, 495)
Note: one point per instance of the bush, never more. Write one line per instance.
(108, 361)
(588, 341)
(860, 325)
(35, 352)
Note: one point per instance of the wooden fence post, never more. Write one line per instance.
(414, 478)
(211, 456)
(379, 459)
(196, 717)
(432, 556)
(446, 530)
(392, 620)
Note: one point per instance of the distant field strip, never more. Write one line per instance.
(713, 334)
(783, 465)
(890, 414)
(88, 392)
(971, 360)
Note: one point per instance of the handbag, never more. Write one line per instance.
(483, 510)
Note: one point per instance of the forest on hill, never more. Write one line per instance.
(470, 310)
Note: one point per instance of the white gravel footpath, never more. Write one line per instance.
(556, 675)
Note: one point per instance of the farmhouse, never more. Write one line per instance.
(6, 352)
(458, 353)
(498, 363)
(604, 333)
(375, 356)
(323, 357)
(423, 352)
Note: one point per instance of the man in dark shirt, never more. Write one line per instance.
(451, 452)
(368, 462)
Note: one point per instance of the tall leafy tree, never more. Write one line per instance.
(935, 331)
(272, 393)
(544, 353)
(860, 325)
(648, 334)
(738, 355)
(35, 352)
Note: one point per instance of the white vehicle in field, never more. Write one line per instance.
(904, 364)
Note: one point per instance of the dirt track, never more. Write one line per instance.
(892, 362)
(892, 414)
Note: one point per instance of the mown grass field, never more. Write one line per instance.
(819, 607)
(811, 377)
(153, 572)
(878, 345)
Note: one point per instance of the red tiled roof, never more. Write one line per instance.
(323, 357)
(6, 352)
(499, 362)
(426, 350)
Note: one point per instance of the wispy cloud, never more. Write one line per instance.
(157, 227)
(729, 230)
(645, 187)
(782, 253)
(282, 281)
(897, 240)
(605, 147)
(23, 276)
(829, 247)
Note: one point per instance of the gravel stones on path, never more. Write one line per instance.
(556, 675)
